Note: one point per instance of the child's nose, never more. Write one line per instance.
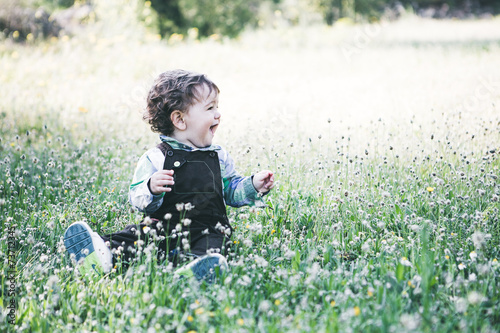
(217, 114)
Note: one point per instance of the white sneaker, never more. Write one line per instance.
(205, 268)
(91, 253)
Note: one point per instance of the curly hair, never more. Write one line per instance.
(173, 90)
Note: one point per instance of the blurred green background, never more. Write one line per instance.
(45, 18)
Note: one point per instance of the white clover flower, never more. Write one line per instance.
(146, 229)
(43, 258)
(179, 206)
(167, 216)
(188, 206)
(186, 222)
(147, 220)
(472, 277)
(178, 227)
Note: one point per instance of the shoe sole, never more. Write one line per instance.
(204, 268)
(77, 239)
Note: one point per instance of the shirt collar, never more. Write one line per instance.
(179, 145)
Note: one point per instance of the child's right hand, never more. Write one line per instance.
(160, 180)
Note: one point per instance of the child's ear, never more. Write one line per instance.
(177, 118)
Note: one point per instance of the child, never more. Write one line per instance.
(182, 185)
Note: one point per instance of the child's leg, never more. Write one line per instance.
(210, 243)
(124, 243)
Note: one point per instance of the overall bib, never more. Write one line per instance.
(198, 181)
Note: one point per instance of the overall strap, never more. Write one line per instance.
(164, 147)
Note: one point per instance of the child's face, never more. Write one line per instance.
(202, 119)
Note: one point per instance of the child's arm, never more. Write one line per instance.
(240, 191)
(150, 166)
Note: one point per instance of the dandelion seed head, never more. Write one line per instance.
(479, 239)
(264, 306)
(147, 220)
(474, 298)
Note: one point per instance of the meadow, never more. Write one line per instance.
(384, 140)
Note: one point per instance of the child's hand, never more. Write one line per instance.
(160, 180)
(263, 181)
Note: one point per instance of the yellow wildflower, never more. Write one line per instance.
(357, 311)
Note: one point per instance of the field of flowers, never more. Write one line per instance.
(385, 142)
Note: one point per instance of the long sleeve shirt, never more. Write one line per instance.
(238, 191)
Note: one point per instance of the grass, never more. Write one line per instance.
(386, 212)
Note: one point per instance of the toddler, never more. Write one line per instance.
(182, 185)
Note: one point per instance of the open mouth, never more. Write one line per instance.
(213, 128)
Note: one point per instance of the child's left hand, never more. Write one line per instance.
(263, 181)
